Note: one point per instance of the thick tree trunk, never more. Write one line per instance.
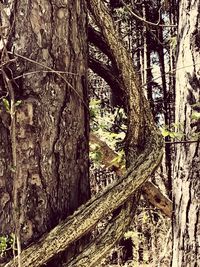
(51, 174)
(144, 163)
(186, 183)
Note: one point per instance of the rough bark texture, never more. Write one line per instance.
(52, 120)
(186, 184)
(144, 151)
(142, 164)
(110, 75)
(108, 239)
(150, 191)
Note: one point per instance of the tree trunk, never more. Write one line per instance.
(186, 183)
(147, 158)
(49, 178)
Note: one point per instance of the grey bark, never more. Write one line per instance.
(186, 183)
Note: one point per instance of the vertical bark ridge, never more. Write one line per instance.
(52, 121)
(186, 183)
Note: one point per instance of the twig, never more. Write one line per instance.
(172, 72)
(44, 71)
(145, 21)
(14, 161)
(53, 71)
(182, 142)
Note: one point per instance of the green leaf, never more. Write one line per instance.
(96, 156)
(119, 159)
(165, 132)
(3, 243)
(18, 103)
(196, 105)
(92, 114)
(196, 115)
(176, 135)
(12, 168)
(6, 104)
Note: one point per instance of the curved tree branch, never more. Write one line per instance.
(98, 249)
(109, 75)
(144, 149)
(96, 38)
(150, 191)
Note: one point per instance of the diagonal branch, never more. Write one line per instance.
(151, 192)
(97, 250)
(88, 215)
(96, 38)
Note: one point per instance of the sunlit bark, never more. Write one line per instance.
(186, 182)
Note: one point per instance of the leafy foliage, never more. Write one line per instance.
(6, 244)
(110, 126)
(176, 131)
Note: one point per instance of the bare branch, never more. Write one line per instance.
(145, 21)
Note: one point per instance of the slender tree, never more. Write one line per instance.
(186, 183)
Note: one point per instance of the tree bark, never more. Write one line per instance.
(144, 150)
(146, 159)
(50, 179)
(150, 191)
(186, 183)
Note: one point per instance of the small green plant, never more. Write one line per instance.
(3, 244)
(175, 132)
(95, 154)
(173, 42)
(6, 244)
(196, 115)
(7, 105)
(119, 160)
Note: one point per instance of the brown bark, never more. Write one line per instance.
(186, 182)
(150, 191)
(86, 217)
(146, 159)
(51, 172)
(108, 73)
(108, 239)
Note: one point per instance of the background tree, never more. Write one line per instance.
(44, 140)
(186, 183)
